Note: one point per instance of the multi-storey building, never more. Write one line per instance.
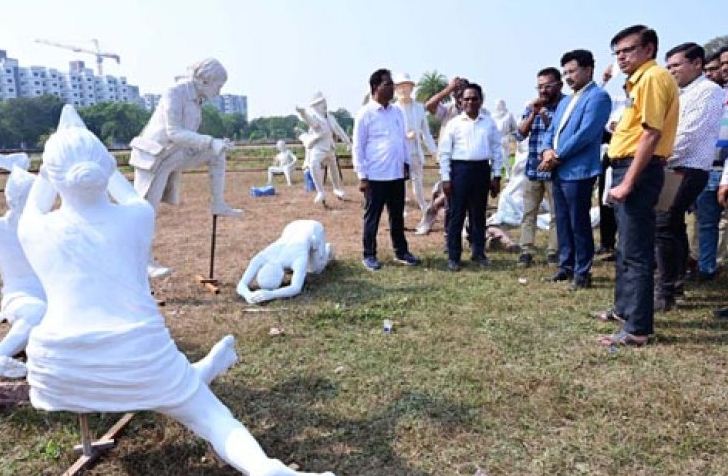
(231, 104)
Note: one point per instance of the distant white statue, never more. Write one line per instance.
(417, 131)
(23, 299)
(320, 145)
(301, 248)
(506, 124)
(102, 345)
(285, 163)
(170, 144)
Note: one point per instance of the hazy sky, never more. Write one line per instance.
(279, 52)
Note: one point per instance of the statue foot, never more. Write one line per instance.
(156, 270)
(320, 197)
(224, 210)
(11, 368)
(340, 194)
(222, 355)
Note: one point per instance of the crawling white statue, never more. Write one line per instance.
(285, 163)
(170, 144)
(320, 145)
(418, 132)
(23, 299)
(301, 248)
(102, 345)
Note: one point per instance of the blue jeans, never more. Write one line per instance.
(572, 200)
(708, 215)
(635, 252)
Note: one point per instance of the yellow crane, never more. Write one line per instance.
(100, 55)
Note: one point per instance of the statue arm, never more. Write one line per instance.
(173, 112)
(243, 288)
(122, 191)
(310, 121)
(41, 197)
(338, 130)
(427, 136)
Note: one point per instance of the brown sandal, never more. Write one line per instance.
(623, 337)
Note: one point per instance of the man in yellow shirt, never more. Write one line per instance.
(640, 144)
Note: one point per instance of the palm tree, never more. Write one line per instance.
(430, 84)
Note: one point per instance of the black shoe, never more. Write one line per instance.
(453, 266)
(525, 260)
(721, 313)
(552, 259)
(561, 275)
(705, 277)
(604, 250)
(408, 258)
(481, 261)
(663, 303)
(581, 282)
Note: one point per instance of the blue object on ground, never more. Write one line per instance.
(262, 191)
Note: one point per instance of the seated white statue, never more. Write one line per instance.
(170, 144)
(23, 299)
(102, 345)
(285, 163)
(320, 145)
(301, 248)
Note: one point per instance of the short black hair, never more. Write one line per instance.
(475, 87)
(722, 50)
(377, 78)
(647, 36)
(584, 58)
(550, 71)
(713, 57)
(690, 50)
(461, 88)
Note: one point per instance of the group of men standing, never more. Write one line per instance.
(666, 135)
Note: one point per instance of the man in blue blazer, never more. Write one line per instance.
(572, 150)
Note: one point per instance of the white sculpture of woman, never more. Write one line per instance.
(285, 163)
(506, 125)
(301, 248)
(103, 346)
(320, 145)
(23, 299)
(418, 132)
(170, 144)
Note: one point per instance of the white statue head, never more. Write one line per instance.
(74, 160)
(281, 145)
(403, 86)
(318, 103)
(17, 188)
(500, 106)
(270, 275)
(208, 76)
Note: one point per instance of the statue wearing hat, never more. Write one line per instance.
(417, 131)
(320, 145)
(170, 144)
(23, 299)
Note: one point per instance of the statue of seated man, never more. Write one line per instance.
(170, 144)
(301, 248)
(23, 300)
(285, 163)
(102, 345)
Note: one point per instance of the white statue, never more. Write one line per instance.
(23, 299)
(170, 144)
(285, 163)
(506, 125)
(102, 345)
(417, 131)
(301, 248)
(320, 145)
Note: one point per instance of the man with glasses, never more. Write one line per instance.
(572, 152)
(533, 125)
(641, 142)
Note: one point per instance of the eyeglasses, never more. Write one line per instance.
(547, 86)
(626, 50)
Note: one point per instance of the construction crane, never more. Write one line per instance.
(100, 55)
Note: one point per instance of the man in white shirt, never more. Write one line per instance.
(381, 160)
(692, 159)
(470, 147)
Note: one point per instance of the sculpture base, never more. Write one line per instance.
(92, 450)
(210, 284)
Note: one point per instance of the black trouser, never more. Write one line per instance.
(607, 222)
(671, 238)
(380, 193)
(470, 184)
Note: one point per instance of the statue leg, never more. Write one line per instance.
(270, 175)
(316, 158)
(335, 175)
(216, 171)
(417, 177)
(207, 417)
(221, 357)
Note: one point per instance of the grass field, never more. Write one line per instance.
(481, 371)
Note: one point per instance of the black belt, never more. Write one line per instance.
(622, 162)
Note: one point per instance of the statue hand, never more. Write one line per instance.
(261, 295)
(221, 145)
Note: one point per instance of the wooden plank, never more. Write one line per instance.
(109, 437)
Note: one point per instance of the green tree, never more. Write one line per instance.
(430, 84)
(235, 126)
(115, 123)
(24, 120)
(212, 122)
(274, 127)
(343, 117)
(715, 45)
